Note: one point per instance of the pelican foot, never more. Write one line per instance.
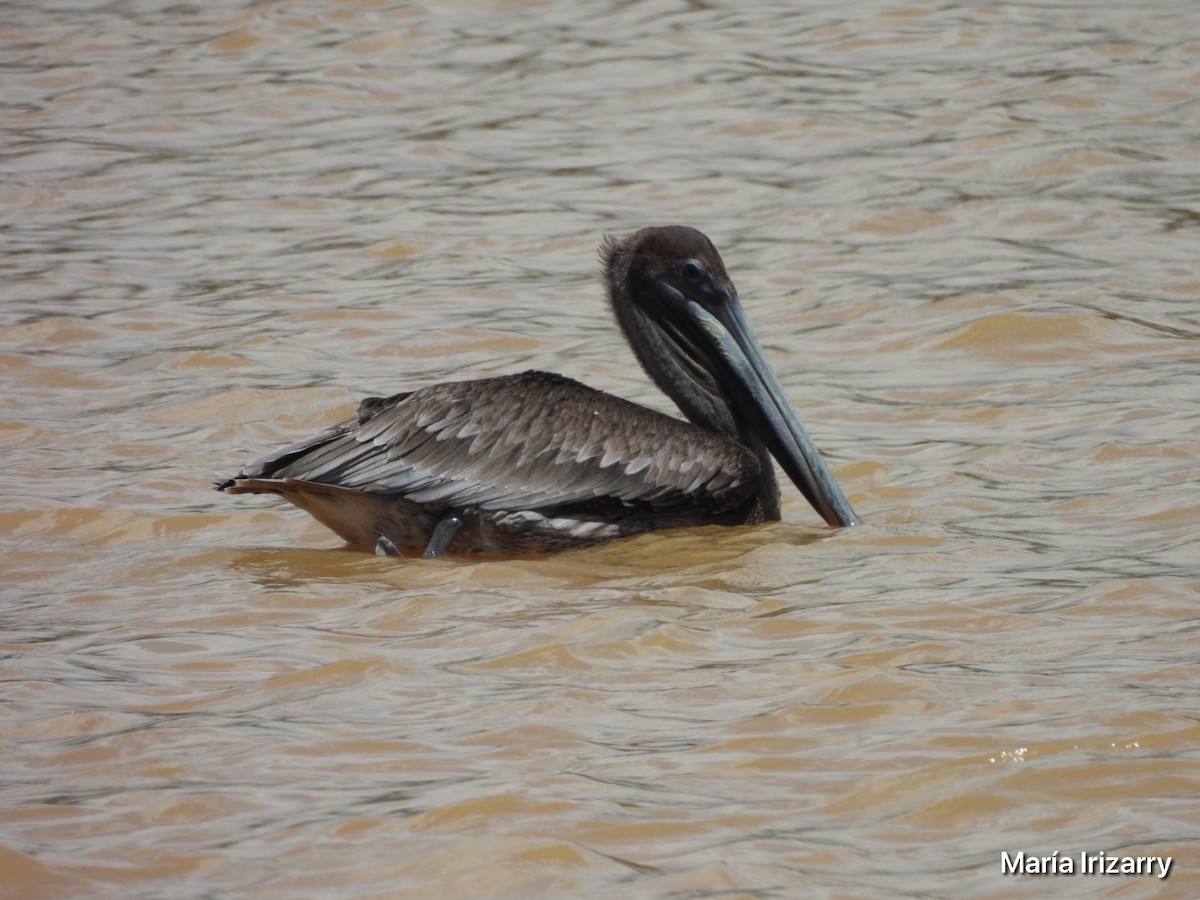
(447, 528)
(384, 547)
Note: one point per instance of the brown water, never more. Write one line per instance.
(967, 236)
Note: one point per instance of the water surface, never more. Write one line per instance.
(966, 235)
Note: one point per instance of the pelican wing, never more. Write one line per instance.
(520, 442)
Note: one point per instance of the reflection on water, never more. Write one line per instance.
(966, 236)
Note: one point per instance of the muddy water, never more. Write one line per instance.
(967, 236)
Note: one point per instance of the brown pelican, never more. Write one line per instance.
(537, 462)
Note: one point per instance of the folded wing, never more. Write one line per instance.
(519, 442)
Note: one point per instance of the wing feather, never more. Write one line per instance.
(518, 442)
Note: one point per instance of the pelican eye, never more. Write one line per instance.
(692, 270)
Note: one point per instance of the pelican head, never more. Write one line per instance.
(680, 312)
